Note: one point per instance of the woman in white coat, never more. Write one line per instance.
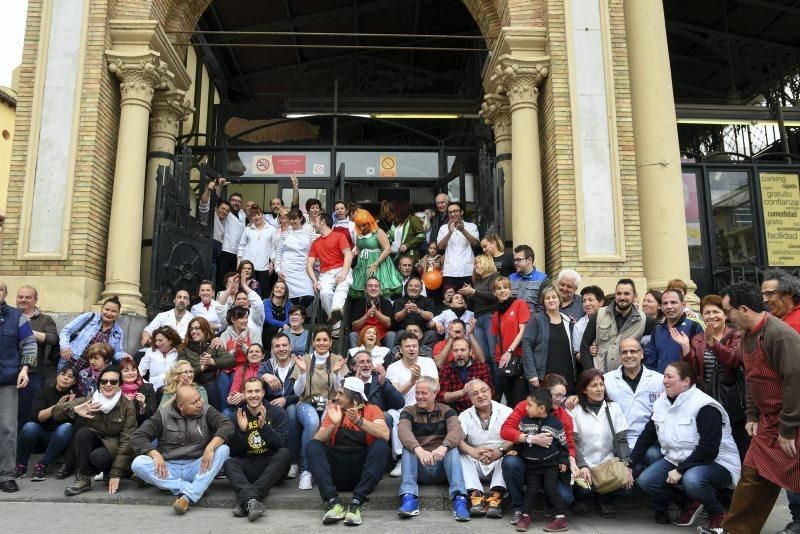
(291, 253)
(700, 456)
(257, 245)
(600, 434)
(158, 359)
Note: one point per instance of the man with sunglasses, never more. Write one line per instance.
(482, 448)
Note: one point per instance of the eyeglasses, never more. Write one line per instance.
(107, 381)
(482, 391)
(630, 351)
(769, 294)
(727, 311)
(520, 260)
(558, 395)
(194, 328)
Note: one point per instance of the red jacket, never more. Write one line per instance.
(510, 429)
(726, 351)
(793, 318)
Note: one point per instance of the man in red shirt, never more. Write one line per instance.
(335, 257)
(781, 294)
(442, 351)
(348, 452)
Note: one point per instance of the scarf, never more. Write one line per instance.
(106, 404)
(594, 406)
(238, 345)
(129, 389)
(503, 307)
(198, 346)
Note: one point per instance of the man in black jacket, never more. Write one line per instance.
(259, 457)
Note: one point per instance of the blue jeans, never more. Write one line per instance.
(698, 483)
(183, 476)
(487, 341)
(26, 395)
(308, 418)
(651, 456)
(33, 437)
(224, 381)
(448, 469)
(514, 475)
(294, 433)
(794, 505)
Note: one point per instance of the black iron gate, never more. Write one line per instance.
(182, 237)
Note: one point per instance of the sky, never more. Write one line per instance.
(12, 36)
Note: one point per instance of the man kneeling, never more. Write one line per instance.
(348, 452)
(191, 447)
(259, 457)
(430, 433)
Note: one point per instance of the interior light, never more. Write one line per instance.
(416, 116)
(309, 114)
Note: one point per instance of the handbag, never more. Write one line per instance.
(513, 368)
(731, 395)
(612, 474)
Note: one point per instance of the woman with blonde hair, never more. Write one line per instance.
(180, 374)
(372, 250)
(483, 303)
(493, 246)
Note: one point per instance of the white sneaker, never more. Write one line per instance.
(306, 482)
(398, 469)
(293, 470)
(98, 477)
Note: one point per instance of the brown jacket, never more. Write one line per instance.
(114, 428)
(429, 430)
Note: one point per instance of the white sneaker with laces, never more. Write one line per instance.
(294, 469)
(398, 470)
(306, 481)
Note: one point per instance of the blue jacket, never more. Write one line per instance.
(386, 396)
(269, 366)
(662, 350)
(270, 320)
(85, 336)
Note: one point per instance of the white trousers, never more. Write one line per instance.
(397, 447)
(474, 472)
(334, 295)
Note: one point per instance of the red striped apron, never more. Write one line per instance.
(765, 387)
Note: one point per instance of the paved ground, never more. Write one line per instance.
(122, 519)
(42, 507)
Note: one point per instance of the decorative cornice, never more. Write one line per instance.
(139, 75)
(169, 109)
(520, 79)
(495, 111)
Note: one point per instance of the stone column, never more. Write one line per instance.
(169, 109)
(520, 79)
(139, 76)
(495, 111)
(655, 131)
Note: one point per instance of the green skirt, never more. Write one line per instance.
(387, 273)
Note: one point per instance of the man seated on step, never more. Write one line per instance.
(348, 452)
(430, 433)
(335, 258)
(259, 457)
(191, 448)
(178, 318)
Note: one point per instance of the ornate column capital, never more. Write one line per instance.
(495, 111)
(139, 76)
(169, 109)
(520, 79)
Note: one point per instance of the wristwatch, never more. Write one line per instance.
(502, 450)
(359, 422)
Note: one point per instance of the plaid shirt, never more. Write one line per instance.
(450, 379)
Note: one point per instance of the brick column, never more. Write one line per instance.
(496, 112)
(139, 75)
(521, 79)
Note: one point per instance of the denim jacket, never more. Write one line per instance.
(85, 336)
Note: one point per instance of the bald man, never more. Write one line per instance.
(191, 447)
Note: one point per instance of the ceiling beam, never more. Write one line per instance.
(704, 37)
(322, 16)
(773, 6)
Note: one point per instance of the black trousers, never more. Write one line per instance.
(358, 471)
(515, 389)
(226, 263)
(264, 279)
(87, 453)
(456, 282)
(542, 477)
(253, 476)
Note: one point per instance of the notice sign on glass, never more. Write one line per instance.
(780, 196)
(278, 164)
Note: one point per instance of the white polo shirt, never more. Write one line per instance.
(458, 257)
(167, 318)
(399, 375)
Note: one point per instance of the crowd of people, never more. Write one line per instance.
(466, 366)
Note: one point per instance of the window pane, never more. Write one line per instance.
(732, 218)
(691, 206)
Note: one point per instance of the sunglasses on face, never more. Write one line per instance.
(109, 381)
